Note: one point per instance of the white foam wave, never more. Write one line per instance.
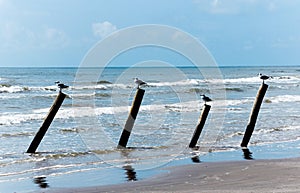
(81, 111)
(14, 118)
(284, 98)
(279, 79)
(90, 87)
(178, 83)
(12, 89)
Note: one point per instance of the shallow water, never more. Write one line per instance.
(79, 148)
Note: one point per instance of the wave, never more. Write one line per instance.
(252, 80)
(6, 88)
(74, 110)
(191, 82)
(79, 111)
(281, 134)
(199, 90)
(107, 85)
(283, 98)
(20, 134)
(234, 89)
(69, 130)
(104, 82)
(14, 118)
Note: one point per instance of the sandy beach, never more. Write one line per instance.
(280, 175)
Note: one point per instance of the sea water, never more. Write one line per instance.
(79, 149)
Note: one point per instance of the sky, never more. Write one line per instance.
(59, 33)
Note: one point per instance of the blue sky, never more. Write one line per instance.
(236, 32)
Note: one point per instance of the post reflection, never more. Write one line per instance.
(196, 159)
(41, 181)
(247, 154)
(130, 172)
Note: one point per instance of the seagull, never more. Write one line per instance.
(139, 82)
(263, 77)
(61, 85)
(205, 98)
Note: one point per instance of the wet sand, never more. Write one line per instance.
(281, 175)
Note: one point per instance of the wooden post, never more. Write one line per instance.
(253, 117)
(200, 126)
(131, 118)
(47, 121)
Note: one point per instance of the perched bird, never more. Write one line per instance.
(205, 98)
(263, 77)
(61, 85)
(139, 82)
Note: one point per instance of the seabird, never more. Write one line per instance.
(139, 82)
(205, 98)
(61, 85)
(263, 77)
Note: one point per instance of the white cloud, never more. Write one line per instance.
(217, 6)
(221, 7)
(2, 2)
(271, 6)
(248, 45)
(286, 42)
(235, 6)
(102, 30)
(18, 37)
(54, 38)
(6, 7)
(13, 35)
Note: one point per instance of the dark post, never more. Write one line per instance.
(200, 126)
(253, 117)
(47, 121)
(131, 118)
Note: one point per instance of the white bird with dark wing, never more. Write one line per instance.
(139, 82)
(264, 77)
(205, 98)
(61, 85)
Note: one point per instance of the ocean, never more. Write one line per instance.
(79, 148)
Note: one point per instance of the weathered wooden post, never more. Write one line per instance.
(253, 117)
(131, 118)
(200, 126)
(47, 121)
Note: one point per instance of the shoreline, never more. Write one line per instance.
(266, 175)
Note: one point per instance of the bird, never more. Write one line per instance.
(61, 85)
(139, 82)
(205, 98)
(263, 77)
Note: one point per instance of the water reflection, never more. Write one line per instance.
(196, 159)
(129, 170)
(131, 174)
(247, 154)
(41, 181)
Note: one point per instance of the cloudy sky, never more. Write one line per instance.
(236, 32)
